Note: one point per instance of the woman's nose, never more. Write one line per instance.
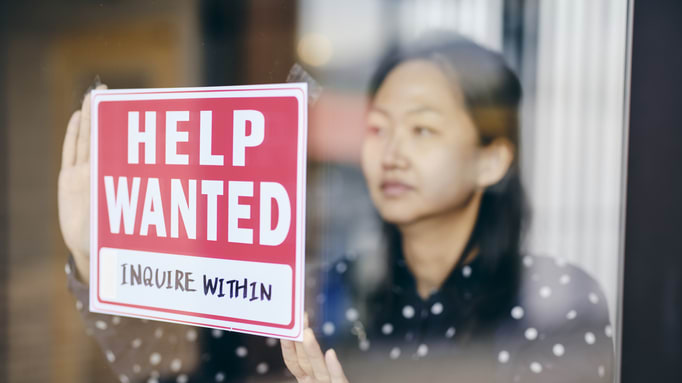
(393, 155)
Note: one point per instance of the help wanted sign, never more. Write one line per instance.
(198, 206)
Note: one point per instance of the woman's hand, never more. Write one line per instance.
(74, 188)
(306, 362)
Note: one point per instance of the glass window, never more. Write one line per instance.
(464, 184)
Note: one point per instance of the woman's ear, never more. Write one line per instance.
(494, 161)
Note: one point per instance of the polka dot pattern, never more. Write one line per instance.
(176, 365)
(517, 312)
(589, 338)
(352, 314)
(526, 344)
(422, 350)
(536, 367)
(241, 351)
(262, 368)
(503, 356)
(341, 267)
(155, 359)
(558, 349)
(328, 328)
(364, 345)
(531, 333)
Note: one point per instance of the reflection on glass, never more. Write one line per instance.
(456, 298)
(424, 262)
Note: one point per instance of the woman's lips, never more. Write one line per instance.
(394, 188)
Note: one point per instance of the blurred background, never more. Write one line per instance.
(569, 55)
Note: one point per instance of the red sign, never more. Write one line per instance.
(198, 206)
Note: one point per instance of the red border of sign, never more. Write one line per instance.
(299, 274)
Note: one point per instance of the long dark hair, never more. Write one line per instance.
(492, 94)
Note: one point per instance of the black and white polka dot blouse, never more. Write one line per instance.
(550, 324)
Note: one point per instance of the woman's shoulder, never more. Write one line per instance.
(558, 328)
(554, 270)
(555, 293)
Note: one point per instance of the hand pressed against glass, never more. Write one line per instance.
(307, 363)
(74, 187)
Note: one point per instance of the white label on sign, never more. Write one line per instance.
(169, 281)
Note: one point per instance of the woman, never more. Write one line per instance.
(457, 300)
(440, 160)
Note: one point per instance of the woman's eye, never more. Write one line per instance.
(422, 131)
(374, 129)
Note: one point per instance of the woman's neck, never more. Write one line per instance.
(433, 246)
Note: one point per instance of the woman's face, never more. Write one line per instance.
(421, 148)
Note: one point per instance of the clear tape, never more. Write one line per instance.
(298, 74)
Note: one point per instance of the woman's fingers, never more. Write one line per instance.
(314, 353)
(291, 359)
(303, 360)
(83, 145)
(69, 148)
(307, 363)
(334, 366)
